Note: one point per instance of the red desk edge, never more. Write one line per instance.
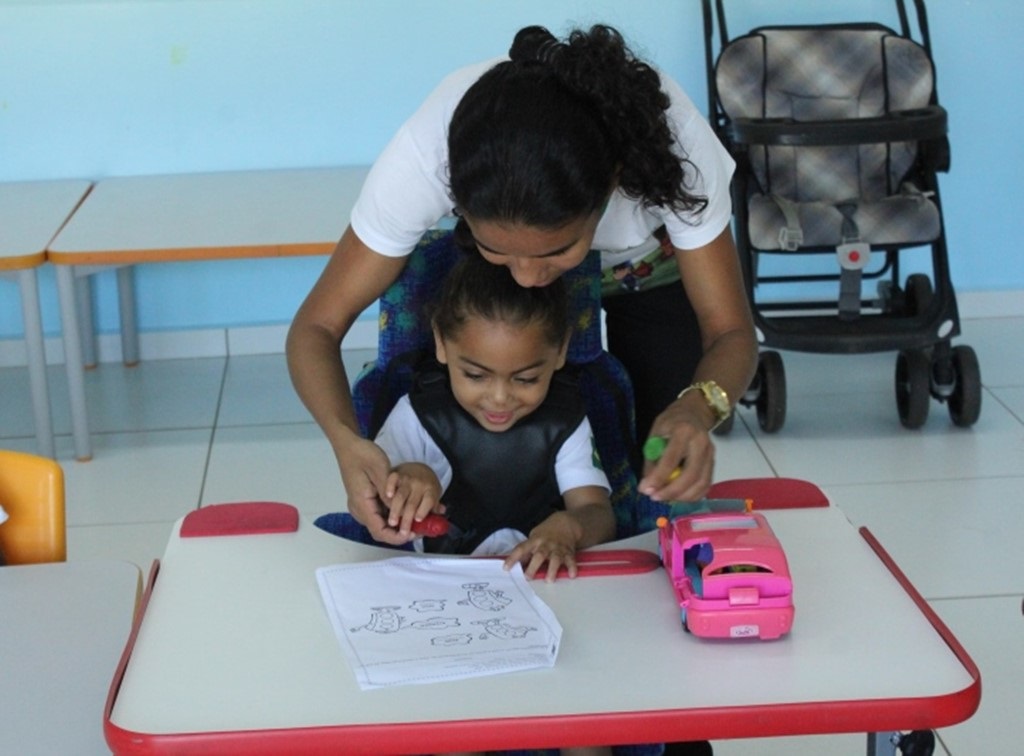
(668, 725)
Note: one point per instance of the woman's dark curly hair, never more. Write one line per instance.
(540, 139)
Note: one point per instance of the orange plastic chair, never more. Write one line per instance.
(32, 495)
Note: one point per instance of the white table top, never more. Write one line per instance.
(31, 213)
(236, 643)
(63, 627)
(204, 216)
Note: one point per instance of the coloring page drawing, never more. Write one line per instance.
(420, 619)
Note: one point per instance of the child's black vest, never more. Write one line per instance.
(499, 480)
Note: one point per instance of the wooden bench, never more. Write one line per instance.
(128, 221)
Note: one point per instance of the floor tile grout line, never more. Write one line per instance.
(760, 448)
(213, 431)
(974, 597)
(995, 398)
(919, 481)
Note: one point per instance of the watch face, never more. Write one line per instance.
(716, 397)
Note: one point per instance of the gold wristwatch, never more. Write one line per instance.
(715, 396)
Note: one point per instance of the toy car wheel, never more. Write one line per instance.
(919, 293)
(965, 401)
(913, 392)
(771, 401)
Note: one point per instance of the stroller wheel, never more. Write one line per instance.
(771, 400)
(965, 401)
(725, 427)
(913, 393)
(918, 293)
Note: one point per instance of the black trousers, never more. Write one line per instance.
(656, 336)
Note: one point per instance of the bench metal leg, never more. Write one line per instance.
(35, 351)
(73, 361)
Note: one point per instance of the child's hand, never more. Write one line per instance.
(553, 541)
(411, 493)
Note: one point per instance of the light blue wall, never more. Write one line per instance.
(94, 89)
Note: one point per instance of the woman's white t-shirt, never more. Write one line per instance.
(406, 192)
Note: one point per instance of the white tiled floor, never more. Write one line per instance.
(175, 434)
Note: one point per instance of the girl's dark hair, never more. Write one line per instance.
(477, 288)
(540, 139)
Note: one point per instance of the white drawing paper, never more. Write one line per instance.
(423, 619)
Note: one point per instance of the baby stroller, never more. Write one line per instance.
(838, 136)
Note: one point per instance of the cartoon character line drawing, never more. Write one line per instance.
(458, 639)
(500, 628)
(383, 619)
(428, 605)
(488, 600)
(436, 623)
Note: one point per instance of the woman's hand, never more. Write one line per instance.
(354, 277)
(364, 471)
(713, 281)
(686, 467)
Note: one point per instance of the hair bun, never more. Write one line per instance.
(534, 43)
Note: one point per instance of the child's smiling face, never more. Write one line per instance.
(499, 372)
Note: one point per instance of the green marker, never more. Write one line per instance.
(654, 447)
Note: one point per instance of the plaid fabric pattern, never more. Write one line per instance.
(897, 220)
(830, 73)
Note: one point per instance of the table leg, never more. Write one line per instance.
(83, 305)
(129, 323)
(73, 361)
(36, 357)
(882, 744)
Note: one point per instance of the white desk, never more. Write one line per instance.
(31, 213)
(235, 652)
(186, 217)
(62, 629)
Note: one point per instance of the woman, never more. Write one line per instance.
(562, 148)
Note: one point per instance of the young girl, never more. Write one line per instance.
(493, 433)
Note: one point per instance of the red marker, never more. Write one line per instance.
(432, 526)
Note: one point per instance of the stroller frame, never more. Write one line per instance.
(918, 318)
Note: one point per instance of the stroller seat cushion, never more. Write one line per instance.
(897, 220)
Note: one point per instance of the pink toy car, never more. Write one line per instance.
(729, 574)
